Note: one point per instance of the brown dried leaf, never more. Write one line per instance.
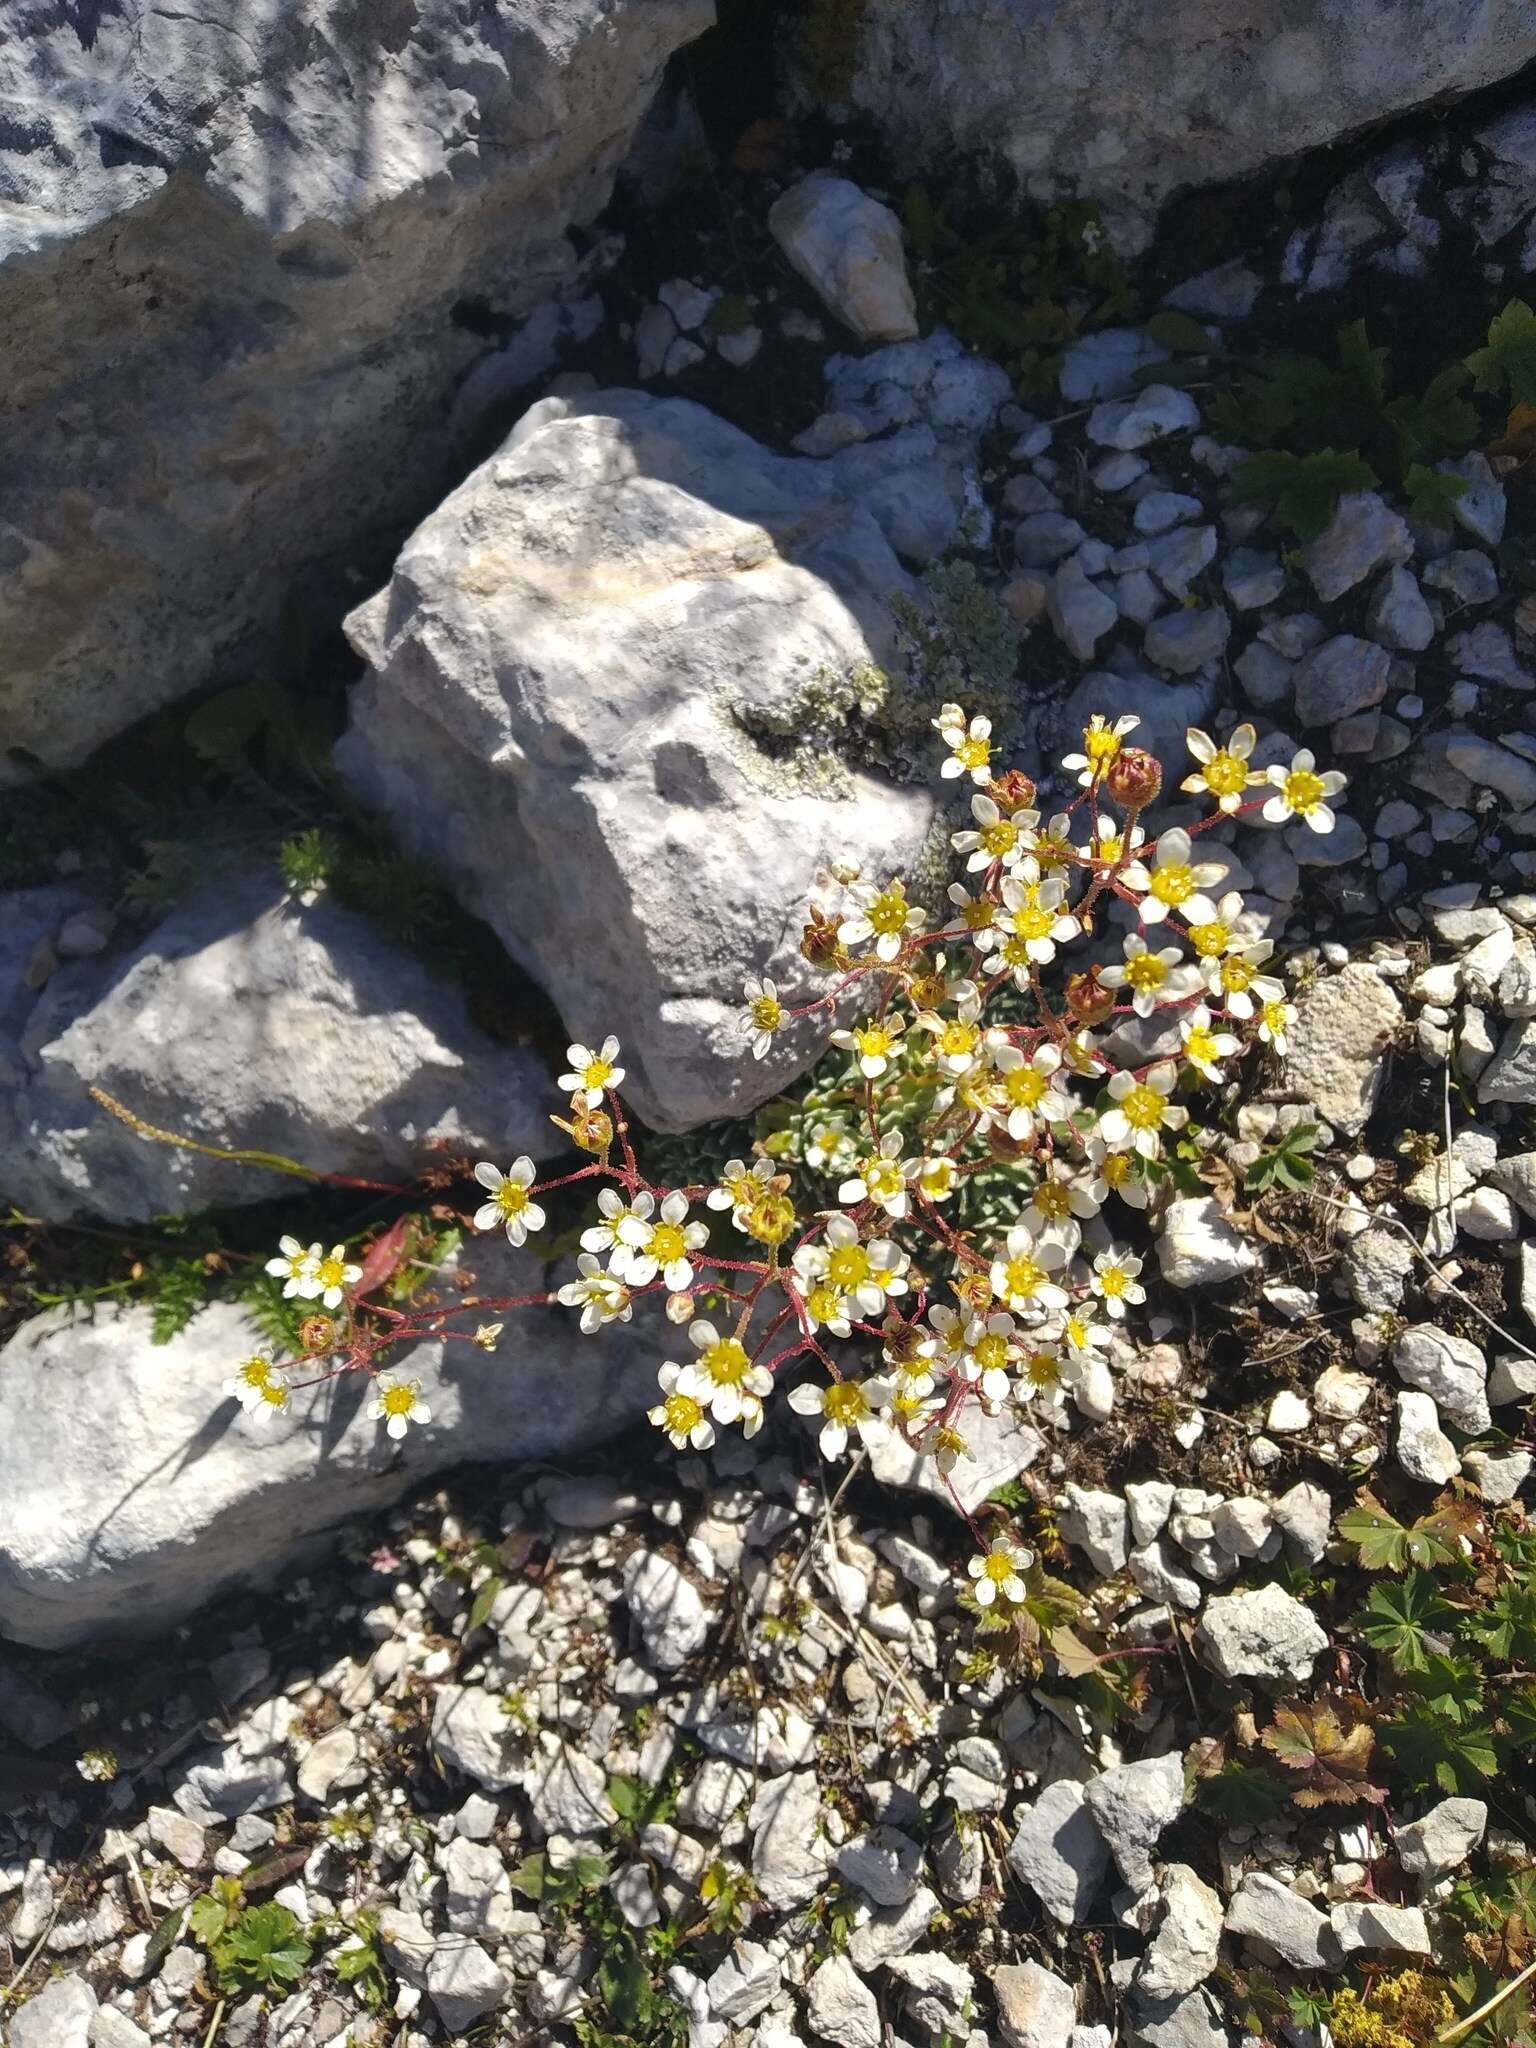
(1329, 1765)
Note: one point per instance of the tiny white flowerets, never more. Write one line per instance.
(764, 1014)
(1206, 1044)
(1301, 792)
(883, 915)
(874, 1044)
(1152, 976)
(1142, 1110)
(881, 1179)
(999, 1573)
(680, 1414)
(295, 1266)
(1115, 1281)
(592, 1074)
(397, 1404)
(969, 742)
(662, 1244)
(1176, 881)
(723, 1378)
(847, 1408)
(601, 1296)
(510, 1205)
(1032, 1094)
(256, 1386)
(739, 1187)
(1034, 914)
(1223, 772)
(996, 836)
(1022, 1273)
(606, 1237)
(1102, 742)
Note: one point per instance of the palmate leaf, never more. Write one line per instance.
(1399, 1616)
(1433, 493)
(1301, 492)
(1385, 1544)
(1451, 1687)
(1507, 1626)
(1508, 361)
(1431, 1751)
(1442, 422)
(1328, 1764)
(1378, 1536)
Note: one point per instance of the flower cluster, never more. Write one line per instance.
(1046, 1029)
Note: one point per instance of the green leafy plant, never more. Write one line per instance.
(309, 859)
(1507, 361)
(1287, 1164)
(1401, 1618)
(251, 1948)
(360, 1963)
(1301, 492)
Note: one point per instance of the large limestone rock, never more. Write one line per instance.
(182, 1496)
(1130, 104)
(254, 1022)
(568, 669)
(247, 256)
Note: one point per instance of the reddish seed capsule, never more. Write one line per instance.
(1087, 997)
(1012, 792)
(1134, 779)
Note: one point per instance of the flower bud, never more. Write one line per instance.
(1089, 1001)
(680, 1308)
(591, 1129)
(770, 1218)
(1012, 791)
(1134, 779)
(928, 990)
(316, 1333)
(820, 944)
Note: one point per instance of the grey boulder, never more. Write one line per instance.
(573, 667)
(185, 1497)
(250, 257)
(252, 1021)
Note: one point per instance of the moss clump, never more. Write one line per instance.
(829, 46)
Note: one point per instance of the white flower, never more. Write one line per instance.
(1152, 978)
(977, 914)
(1204, 1046)
(257, 1388)
(998, 836)
(1034, 916)
(998, 1572)
(510, 1203)
(1300, 792)
(847, 1407)
(1021, 1275)
(1112, 843)
(332, 1273)
(1142, 1110)
(1059, 1204)
(936, 1178)
(681, 1411)
(295, 1266)
(1275, 1021)
(969, 744)
(1101, 746)
(883, 915)
(663, 1246)
(881, 1179)
(824, 1307)
(592, 1073)
(601, 1297)
(397, 1404)
(1114, 1280)
(1224, 772)
(832, 1147)
(1174, 881)
(723, 1377)
(991, 1350)
(943, 1442)
(764, 1014)
(1115, 1173)
(739, 1186)
(873, 1045)
(1031, 1092)
(607, 1238)
(1079, 1335)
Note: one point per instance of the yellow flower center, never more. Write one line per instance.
(511, 1198)
(999, 838)
(992, 1352)
(1174, 883)
(275, 1396)
(845, 1403)
(1211, 940)
(1146, 972)
(888, 913)
(883, 1178)
(999, 1567)
(770, 1219)
(1075, 1330)
(399, 1400)
(1303, 790)
(1116, 1170)
(683, 1413)
(668, 1243)
(1025, 1087)
(1236, 975)
(1023, 1277)
(330, 1272)
(1015, 952)
(1111, 846)
(973, 752)
(873, 1042)
(1274, 1016)
(1042, 1368)
(978, 915)
(1143, 1107)
(1225, 775)
(1053, 1200)
(1032, 920)
(595, 1073)
(958, 1039)
(1100, 744)
(1114, 1280)
(937, 1177)
(824, 1302)
(726, 1362)
(256, 1372)
(1200, 1046)
(1052, 849)
(848, 1266)
(767, 1013)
